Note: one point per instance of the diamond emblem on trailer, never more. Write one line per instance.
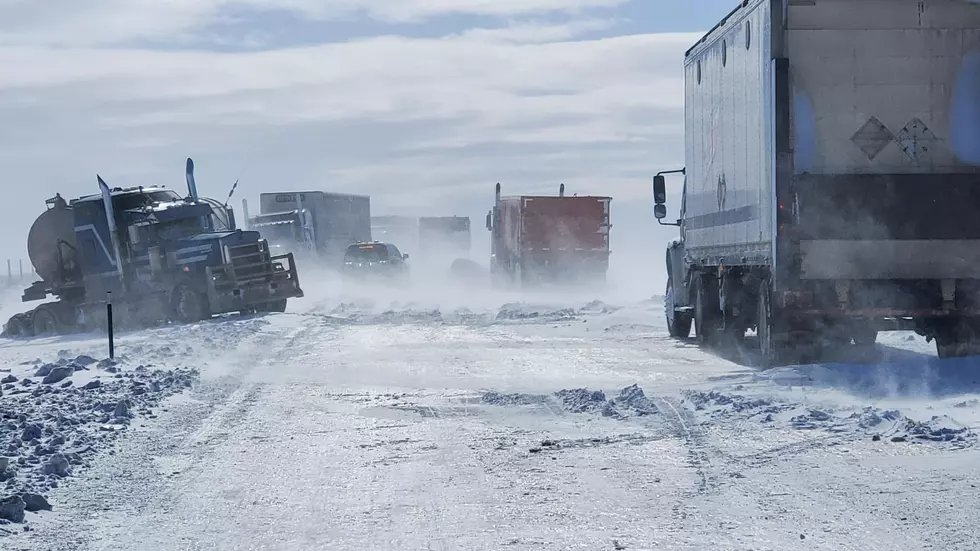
(915, 140)
(872, 137)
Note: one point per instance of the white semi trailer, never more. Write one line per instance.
(831, 182)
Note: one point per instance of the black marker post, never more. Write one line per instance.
(108, 317)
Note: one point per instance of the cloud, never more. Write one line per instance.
(523, 32)
(101, 22)
(422, 124)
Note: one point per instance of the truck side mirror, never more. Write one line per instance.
(490, 221)
(659, 190)
(405, 256)
(660, 212)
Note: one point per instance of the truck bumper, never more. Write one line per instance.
(230, 292)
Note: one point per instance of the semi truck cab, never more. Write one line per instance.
(162, 256)
(171, 242)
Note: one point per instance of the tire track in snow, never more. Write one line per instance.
(685, 427)
(233, 406)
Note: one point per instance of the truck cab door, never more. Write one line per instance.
(683, 209)
(675, 256)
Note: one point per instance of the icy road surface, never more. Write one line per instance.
(536, 425)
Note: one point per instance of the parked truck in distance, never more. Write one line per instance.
(399, 229)
(536, 239)
(290, 231)
(160, 255)
(444, 236)
(322, 222)
(828, 192)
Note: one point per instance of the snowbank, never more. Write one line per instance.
(56, 415)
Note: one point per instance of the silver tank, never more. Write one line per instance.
(53, 230)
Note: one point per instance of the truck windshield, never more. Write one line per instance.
(176, 229)
(144, 199)
(367, 253)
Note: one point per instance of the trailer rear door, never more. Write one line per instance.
(565, 223)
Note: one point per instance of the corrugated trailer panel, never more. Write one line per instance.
(565, 223)
(729, 181)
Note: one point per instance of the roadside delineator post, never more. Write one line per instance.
(108, 317)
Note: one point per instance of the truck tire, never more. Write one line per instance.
(958, 339)
(705, 316)
(189, 305)
(45, 322)
(768, 348)
(678, 324)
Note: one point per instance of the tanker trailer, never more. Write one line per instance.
(53, 251)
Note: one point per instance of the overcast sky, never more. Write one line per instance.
(423, 104)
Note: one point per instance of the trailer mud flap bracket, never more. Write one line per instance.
(843, 289)
(949, 293)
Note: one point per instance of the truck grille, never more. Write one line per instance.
(251, 261)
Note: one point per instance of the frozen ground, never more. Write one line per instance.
(477, 421)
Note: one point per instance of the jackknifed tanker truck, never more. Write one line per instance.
(158, 256)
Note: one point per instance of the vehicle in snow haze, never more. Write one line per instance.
(376, 261)
(286, 232)
(395, 228)
(161, 256)
(444, 236)
(316, 222)
(537, 239)
(831, 182)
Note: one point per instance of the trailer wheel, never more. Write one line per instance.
(188, 305)
(958, 339)
(678, 324)
(705, 324)
(45, 322)
(767, 345)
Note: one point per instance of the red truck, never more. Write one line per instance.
(545, 239)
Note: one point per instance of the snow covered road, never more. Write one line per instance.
(515, 426)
